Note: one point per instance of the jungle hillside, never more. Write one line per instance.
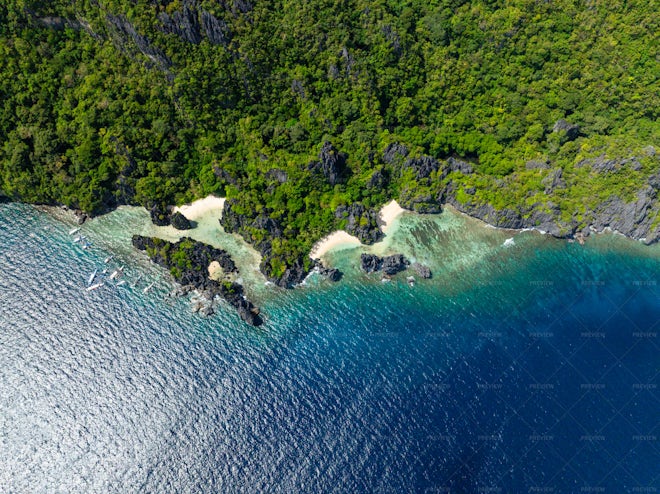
(308, 116)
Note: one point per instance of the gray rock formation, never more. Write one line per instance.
(457, 165)
(361, 222)
(553, 180)
(180, 222)
(332, 164)
(390, 265)
(421, 270)
(570, 131)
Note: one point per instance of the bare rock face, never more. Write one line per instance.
(553, 180)
(395, 153)
(570, 131)
(370, 263)
(126, 34)
(395, 263)
(457, 165)
(332, 164)
(424, 166)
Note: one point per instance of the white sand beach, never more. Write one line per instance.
(201, 207)
(388, 214)
(335, 241)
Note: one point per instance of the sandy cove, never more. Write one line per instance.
(340, 239)
(388, 213)
(201, 207)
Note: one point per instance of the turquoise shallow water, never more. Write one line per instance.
(523, 368)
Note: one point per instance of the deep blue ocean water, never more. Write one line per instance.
(529, 369)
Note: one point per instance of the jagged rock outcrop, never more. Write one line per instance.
(390, 265)
(633, 219)
(126, 33)
(424, 166)
(395, 153)
(602, 164)
(180, 222)
(553, 180)
(421, 270)
(184, 24)
(537, 165)
(568, 130)
(191, 23)
(245, 225)
(333, 274)
(361, 222)
(379, 180)
(394, 263)
(276, 174)
(160, 214)
(420, 203)
(193, 271)
(457, 165)
(332, 164)
(370, 263)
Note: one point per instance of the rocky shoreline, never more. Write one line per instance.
(189, 262)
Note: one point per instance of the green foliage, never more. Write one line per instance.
(92, 116)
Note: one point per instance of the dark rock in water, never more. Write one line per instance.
(571, 131)
(81, 216)
(180, 222)
(370, 263)
(394, 263)
(361, 222)
(292, 276)
(421, 270)
(333, 274)
(160, 215)
(332, 164)
(188, 262)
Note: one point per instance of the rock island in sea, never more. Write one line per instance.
(202, 267)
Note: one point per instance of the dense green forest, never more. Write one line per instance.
(308, 115)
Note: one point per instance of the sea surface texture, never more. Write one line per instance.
(524, 365)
